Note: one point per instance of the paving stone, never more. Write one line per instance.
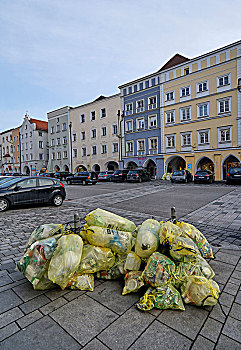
(126, 329)
(222, 271)
(42, 334)
(56, 293)
(226, 299)
(10, 316)
(232, 328)
(231, 288)
(226, 258)
(74, 294)
(225, 343)
(237, 274)
(160, 337)
(211, 329)
(8, 331)
(9, 266)
(30, 318)
(17, 276)
(202, 343)
(236, 311)
(57, 303)
(95, 344)
(8, 300)
(109, 295)
(5, 279)
(26, 292)
(238, 298)
(219, 313)
(34, 304)
(187, 322)
(83, 318)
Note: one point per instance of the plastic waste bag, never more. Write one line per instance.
(133, 282)
(65, 259)
(115, 272)
(198, 238)
(82, 282)
(168, 229)
(44, 231)
(165, 297)
(200, 291)
(159, 270)
(183, 249)
(118, 241)
(95, 259)
(133, 262)
(103, 218)
(147, 240)
(43, 283)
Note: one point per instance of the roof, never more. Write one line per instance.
(40, 124)
(174, 61)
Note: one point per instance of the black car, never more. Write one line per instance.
(181, 176)
(120, 175)
(234, 175)
(138, 175)
(204, 176)
(83, 177)
(31, 190)
(62, 175)
(105, 175)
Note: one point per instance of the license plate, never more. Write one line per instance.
(237, 175)
(201, 177)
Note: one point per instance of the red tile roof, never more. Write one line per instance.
(40, 124)
(174, 61)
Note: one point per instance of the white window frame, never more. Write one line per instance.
(129, 122)
(115, 147)
(58, 155)
(101, 112)
(167, 115)
(153, 149)
(114, 128)
(92, 114)
(142, 121)
(64, 127)
(201, 83)
(129, 149)
(82, 118)
(171, 141)
(65, 141)
(152, 100)
(149, 121)
(58, 141)
(58, 128)
(223, 101)
(75, 153)
(83, 151)
(74, 137)
(142, 150)
(184, 118)
(102, 149)
(41, 144)
(92, 150)
(204, 132)
(222, 129)
(83, 135)
(129, 107)
(168, 96)
(65, 154)
(185, 91)
(222, 78)
(184, 136)
(201, 105)
(52, 130)
(140, 106)
(103, 131)
(92, 135)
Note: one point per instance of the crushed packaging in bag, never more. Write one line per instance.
(116, 271)
(82, 282)
(133, 262)
(168, 229)
(183, 249)
(65, 260)
(44, 231)
(147, 240)
(133, 282)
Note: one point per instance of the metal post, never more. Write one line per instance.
(173, 214)
(76, 223)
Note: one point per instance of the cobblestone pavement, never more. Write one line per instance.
(104, 319)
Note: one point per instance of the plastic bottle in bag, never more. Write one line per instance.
(147, 240)
(133, 262)
(44, 231)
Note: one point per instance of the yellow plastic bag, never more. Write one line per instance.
(118, 241)
(117, 270)
(198, 238)
(43, 283)
(133, 282)
(95, 259)
(45, 231)
(65, 259)
(82, 282)
(168, 229)
(183, 249)
(147, 240)
(103, 218)
(165, 297)
(200, 291)
(133, 262)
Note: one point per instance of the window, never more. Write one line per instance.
(31, 156)
(129, 125)
(83, 151)
(14, 139)
(23, 158)
(26, 127)
(26, 156)
(203, 86)
(59, 155)
(26, 135)
(186, 140)
(53, 155)
(58, 141)
(26, 145)
(30, 144)
(74, 137)
(75, 151)
(140, 104)
(124, 92)
(58, 128)
(52, 142)
(64, 127)
(57, 120)
(93, 133)
(115, 147)
(65, 154)
(40, 156)
(224, 80)
(130, 90)
(129, 107)
(203, 110)
(52, 130)
(45, 182)
(141, 86)
(170, 96)
(103, 149)
(147, 84)
(82, 135)
(185, 113)
(115, 129)
(203, 137)
(135, 88)
(141, 146)
(27, 183)
(153, 81)
(186, 71)
(82, 118)
(185, 91)
(224, 106)
(170, 141)
(41, 144)
(153, 121)
(40, 133)
(94, 150)
(17, 148)
(153, 144)
(14, 149)
(129, 146)
(103, 113)
(170, 117)
(225, 135)
(65, 140)
(152, 100)
(103, 131)
(30, 134)
(141, 123)
(92, 114)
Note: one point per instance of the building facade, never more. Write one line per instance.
(16, 150)
(6, 151)
(34, 145)
(95, 134)
(59, 140)
(198, 114)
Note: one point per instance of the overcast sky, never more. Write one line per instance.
(68, 52)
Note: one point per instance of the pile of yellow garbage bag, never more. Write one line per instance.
(165, 260)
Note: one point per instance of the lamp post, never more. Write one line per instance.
(70, 138)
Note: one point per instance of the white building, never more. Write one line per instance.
(6, 151)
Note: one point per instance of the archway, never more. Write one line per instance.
(66, 168)
(80, 168)
(111, 166)
(175, 163)
(26, 170)
(205, 163)
(96, 168)
(57, 168)
(150, 167)
(228, 162)
(131, 165)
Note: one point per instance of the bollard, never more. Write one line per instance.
(173, 214)
(76, 223)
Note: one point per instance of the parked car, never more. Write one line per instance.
(62, 175)
(83, 177)
(181, 176)
(138, 175)
(47, 174)
(120, 175)
(234, 175)
(6, 178)
(31, 190)
(204, 176)
(105, 175)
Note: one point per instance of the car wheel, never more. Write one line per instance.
(172, 181)
(94, 183)
(68, 182)
(84, 183)
(4, 204)
(140, 180)
(57, 200)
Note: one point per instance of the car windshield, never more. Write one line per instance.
(102, 173)
(8, 183)
(133, 172)
(118, 172)
(203, 172)
(178, 172)
(233, 171)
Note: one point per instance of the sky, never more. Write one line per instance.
(55, 53)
